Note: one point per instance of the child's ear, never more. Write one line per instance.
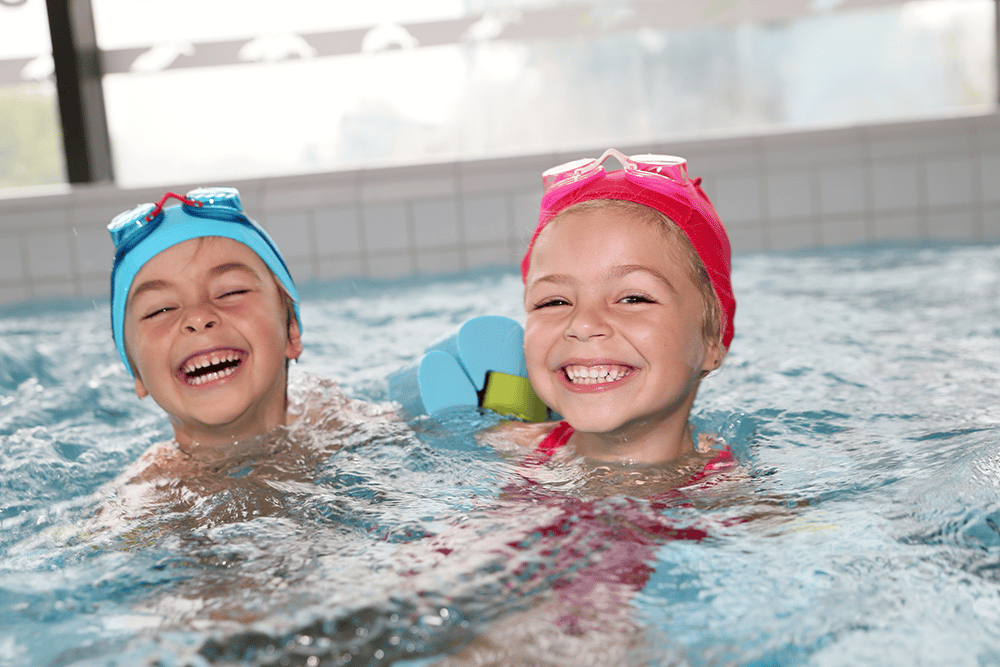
(140, 388)
(294, 347)
(714, 355)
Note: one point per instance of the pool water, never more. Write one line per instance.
(860, 525)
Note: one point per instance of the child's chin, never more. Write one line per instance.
(590, 423)
(216, 419)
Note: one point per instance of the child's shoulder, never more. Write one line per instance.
(514, 436)
(162, 459)
(127, 496)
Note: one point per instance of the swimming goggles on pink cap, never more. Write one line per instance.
(646, 167)
(660, 182)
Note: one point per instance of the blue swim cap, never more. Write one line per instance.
(149, 229)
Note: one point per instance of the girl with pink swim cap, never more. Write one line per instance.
(629, 305)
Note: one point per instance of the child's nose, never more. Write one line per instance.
(587, 322)
(199, 318)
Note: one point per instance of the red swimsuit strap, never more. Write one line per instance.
(557, 437)
(723, 459)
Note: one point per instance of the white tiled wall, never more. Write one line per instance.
(920, 180)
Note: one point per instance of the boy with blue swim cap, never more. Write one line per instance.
(205, 316)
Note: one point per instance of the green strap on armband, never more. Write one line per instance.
(512, 395)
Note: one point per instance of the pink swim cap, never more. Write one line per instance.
(684, 203)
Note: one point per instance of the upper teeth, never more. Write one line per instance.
(595, 374)
(204, 362)
(194, 365)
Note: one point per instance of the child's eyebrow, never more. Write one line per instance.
(615, 273)
(233, 266)
(148, 286)
(627, 269)
(557, 278)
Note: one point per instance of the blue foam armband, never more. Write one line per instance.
(483, 344)
(481, 363)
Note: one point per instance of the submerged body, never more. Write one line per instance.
(260, 473)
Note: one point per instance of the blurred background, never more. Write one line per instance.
(397, 138)
(254, 88)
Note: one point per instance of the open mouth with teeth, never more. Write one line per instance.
(596, 375)
(209, 367)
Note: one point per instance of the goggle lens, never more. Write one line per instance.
(217, 197)
(569, 172)
(671, 166)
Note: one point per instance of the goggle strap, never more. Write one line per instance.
(158, 208)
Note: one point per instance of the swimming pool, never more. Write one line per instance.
(862, 397)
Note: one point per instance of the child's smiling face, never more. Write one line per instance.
(614, 338)
(209, 336)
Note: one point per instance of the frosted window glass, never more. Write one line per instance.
(262, 88)
(30, 146)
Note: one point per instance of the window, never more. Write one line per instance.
(30, 147)
(214, 90)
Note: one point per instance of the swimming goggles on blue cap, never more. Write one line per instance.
(149, 229)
